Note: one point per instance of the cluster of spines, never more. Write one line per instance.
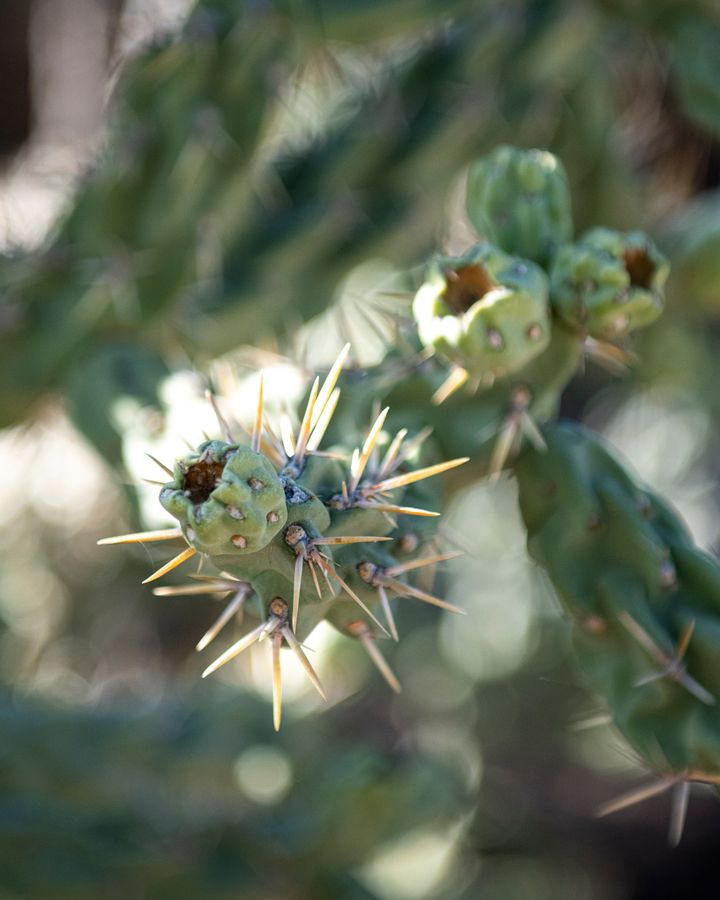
(302, 537)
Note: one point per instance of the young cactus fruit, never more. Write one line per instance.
(608, 283)
(306, 535)
(520, 200)
(645, 601)
(485, 311)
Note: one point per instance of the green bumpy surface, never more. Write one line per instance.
(622, 561)
(227, 498)
(608, 283)
(520, 200)
(486, 311)
(238, 510)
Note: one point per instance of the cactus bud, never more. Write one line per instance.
(608, 283)
(520, 200)
(227, 498)
(485, 311)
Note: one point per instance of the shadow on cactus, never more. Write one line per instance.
(307, 534)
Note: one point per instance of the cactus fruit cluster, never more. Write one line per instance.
(298, 535)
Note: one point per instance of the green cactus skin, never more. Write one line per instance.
(227, 499)
(486, 311)
(608, 283)
(520, 200)
(469, 421)
(637, 587)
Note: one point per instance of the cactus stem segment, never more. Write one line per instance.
(141, 537)
(455, 380)
(671, 664)
(361, 631)
(172, 564)
(233, 608)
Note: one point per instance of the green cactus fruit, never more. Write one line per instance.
(608, 283)
(645, 599)
(520, 200)
(485, 311)
(227, 498)
(297, 531)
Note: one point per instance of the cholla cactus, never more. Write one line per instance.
(645, 600)
(298, 530)
(314, 539)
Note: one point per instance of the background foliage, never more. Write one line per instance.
(260, 164)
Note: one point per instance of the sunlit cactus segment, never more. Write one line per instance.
(485, 311)
(228, 499)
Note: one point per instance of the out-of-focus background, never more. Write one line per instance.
(178, 183)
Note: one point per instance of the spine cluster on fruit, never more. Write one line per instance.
(307, 535)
